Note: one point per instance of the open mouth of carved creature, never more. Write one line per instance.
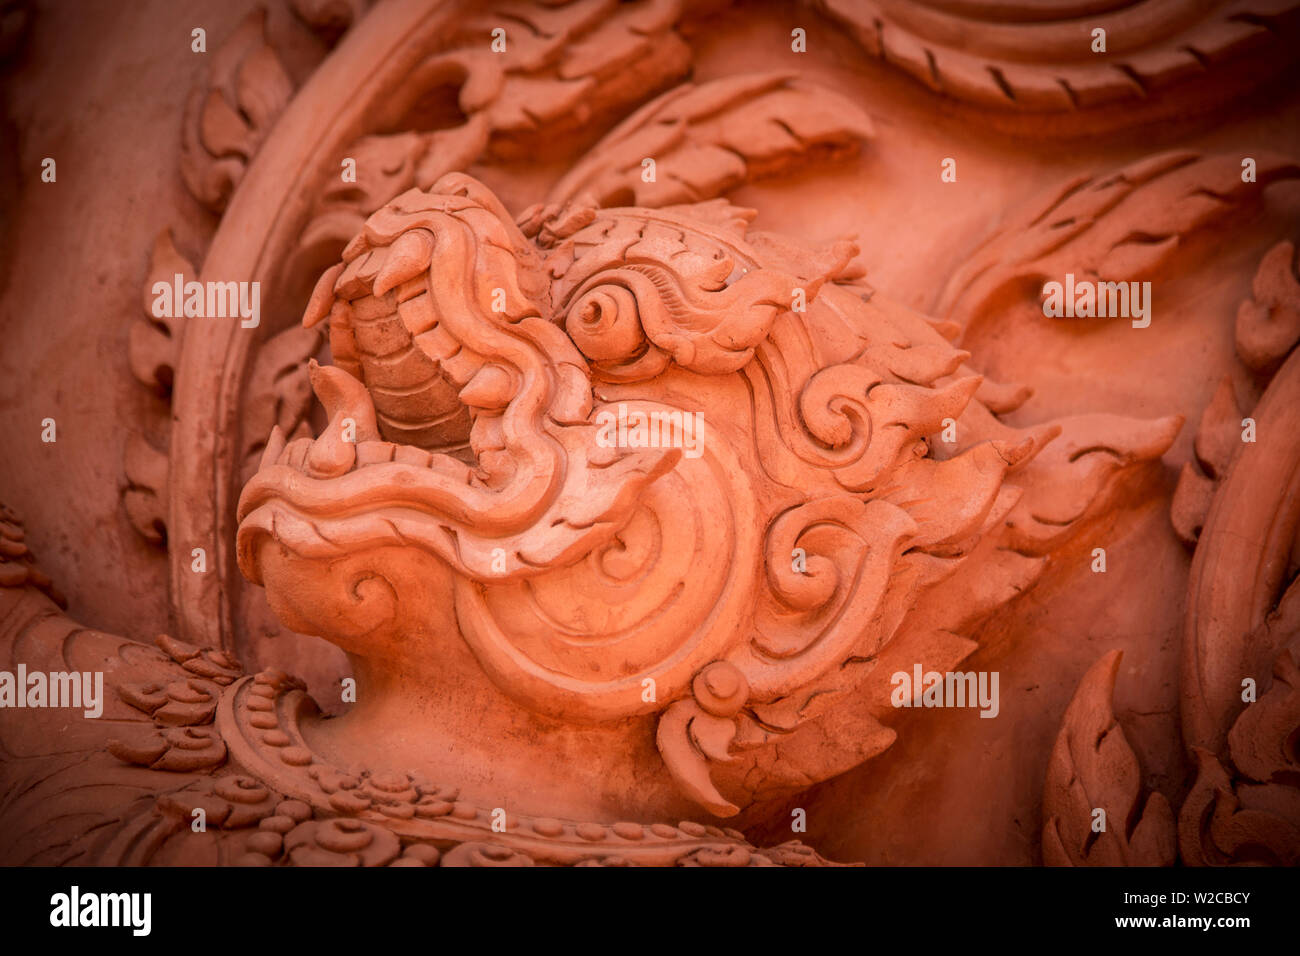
(391, 334)
(403, 388)
(458, 416)
(388, 334)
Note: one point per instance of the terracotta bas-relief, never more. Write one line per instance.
(600, 474)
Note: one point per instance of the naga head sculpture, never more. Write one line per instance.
(657, 471)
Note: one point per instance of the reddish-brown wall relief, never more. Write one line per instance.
(653, 433)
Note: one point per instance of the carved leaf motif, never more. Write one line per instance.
(780, 763)
(1262, 742)
(564, 70)
(154, 348)
(279, 391)
(1268, 328)
(708, 138)
(17, 563)
(1093, 767)
(229, 115)
(1217, 438)
(1069, 480)
(1268, 323)
(1243, 562)
(1220, 432)
(1247, 809)
(145, 496)
(606, 58)
(387, 166)
(960, 49)
(1124, 227)
(155, 341)
(1191, 503)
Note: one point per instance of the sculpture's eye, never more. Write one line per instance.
(605, 323)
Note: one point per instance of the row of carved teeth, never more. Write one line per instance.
(294, 455)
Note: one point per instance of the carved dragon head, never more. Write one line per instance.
(756, 594)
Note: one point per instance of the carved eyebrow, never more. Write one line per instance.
(688, 224)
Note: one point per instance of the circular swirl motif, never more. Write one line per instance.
(580, 641)
(605, 324)
(341, 842)
(485, 854)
